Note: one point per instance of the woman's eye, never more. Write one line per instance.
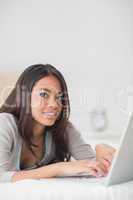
(43, 94)
(60, 98)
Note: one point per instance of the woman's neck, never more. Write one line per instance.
(38, 131)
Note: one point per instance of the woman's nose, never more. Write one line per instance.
(52, 103)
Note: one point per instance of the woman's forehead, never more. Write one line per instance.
(50, 83)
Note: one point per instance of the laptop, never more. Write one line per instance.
(121, 169)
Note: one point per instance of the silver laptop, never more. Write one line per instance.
(122, 165)
(121, 169)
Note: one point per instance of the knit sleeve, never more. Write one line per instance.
(78, 148)
(6, 143)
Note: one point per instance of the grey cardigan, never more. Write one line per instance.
(11, 145)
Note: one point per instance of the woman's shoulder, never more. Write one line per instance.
(7, 117)
(72, 130)
(7, 120)
(8, 130)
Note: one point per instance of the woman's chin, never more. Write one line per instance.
(49, 122)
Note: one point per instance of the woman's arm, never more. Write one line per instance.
(105, 154)
(89, 167)
(78, 148)
(38, 173)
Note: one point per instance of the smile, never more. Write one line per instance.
(50, 114)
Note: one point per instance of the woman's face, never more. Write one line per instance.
(46, 100)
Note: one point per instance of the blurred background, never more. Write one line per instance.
(90, 42)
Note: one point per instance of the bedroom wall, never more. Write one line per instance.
(89, 41)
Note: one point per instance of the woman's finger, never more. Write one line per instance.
(105, 162)
(99, 168)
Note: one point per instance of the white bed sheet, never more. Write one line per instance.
(65, 189)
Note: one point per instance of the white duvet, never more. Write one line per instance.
(65, 189)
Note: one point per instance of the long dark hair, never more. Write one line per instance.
(18, 103)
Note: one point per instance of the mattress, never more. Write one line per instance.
(65, 189)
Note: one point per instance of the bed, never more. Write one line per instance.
(65, 189)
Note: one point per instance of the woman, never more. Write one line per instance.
(36, 138)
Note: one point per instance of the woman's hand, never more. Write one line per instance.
(90, 167)
(105, 154)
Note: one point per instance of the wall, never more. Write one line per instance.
(89, 41)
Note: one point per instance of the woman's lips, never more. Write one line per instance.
(50, 114)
